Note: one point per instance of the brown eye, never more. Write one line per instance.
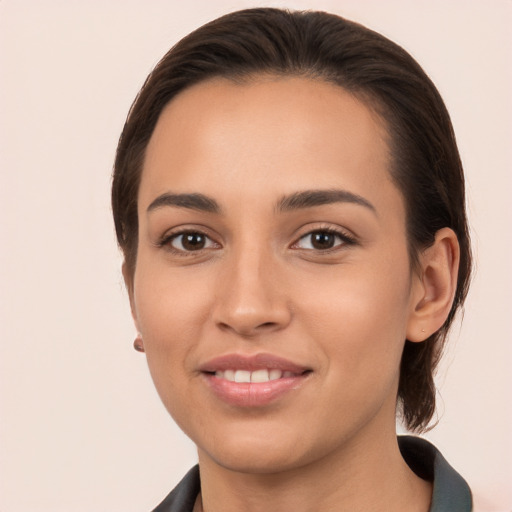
(191, 241)
(322, 240)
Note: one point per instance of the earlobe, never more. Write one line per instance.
(138, 343)
(435, 285)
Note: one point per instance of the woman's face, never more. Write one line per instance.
(272, 249)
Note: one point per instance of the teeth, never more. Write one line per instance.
(274, 374)
(246, 376)
(242, 376)
(259, 376)
(229, 375)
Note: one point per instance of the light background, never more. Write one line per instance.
(81, 427)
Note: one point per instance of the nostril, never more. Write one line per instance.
(251, 321)
(268, 324)
(248, 329)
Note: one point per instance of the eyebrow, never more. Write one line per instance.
(312, 198)
(198, 202)
(295, 201)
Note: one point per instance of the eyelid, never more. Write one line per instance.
(344, 235)
(165, 241)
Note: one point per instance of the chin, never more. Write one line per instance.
(257, 461)
(262, 450)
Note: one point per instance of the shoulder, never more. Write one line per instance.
(183, 496)
(451, 492)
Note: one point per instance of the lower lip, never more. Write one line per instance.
(253, 394)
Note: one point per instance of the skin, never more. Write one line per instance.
(259, 286)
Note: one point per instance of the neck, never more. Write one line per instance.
(365, 475)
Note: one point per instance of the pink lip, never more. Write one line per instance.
(251, 363)
(252, 394)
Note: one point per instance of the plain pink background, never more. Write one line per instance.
(81, 427)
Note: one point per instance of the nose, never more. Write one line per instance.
(252, 298)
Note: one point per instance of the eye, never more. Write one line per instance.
(190, 241)
(322, 240)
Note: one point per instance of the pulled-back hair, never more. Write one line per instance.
(425, 166)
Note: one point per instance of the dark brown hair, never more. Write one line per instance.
(426, 165)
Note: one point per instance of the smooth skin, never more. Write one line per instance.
(328, 286)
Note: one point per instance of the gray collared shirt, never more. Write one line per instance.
(451, 492)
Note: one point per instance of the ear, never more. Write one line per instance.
(128, 281)
(434, 286)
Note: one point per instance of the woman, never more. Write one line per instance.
(289, 199)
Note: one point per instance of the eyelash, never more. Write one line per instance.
(166, 242)
(344, 240)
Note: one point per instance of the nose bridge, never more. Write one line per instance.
(251, 299)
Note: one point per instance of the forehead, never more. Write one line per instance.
(289, 132)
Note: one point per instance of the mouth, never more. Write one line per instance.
(253, 381)
(256, 376)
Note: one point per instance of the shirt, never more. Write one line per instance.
(450, 493)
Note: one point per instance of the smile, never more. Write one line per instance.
(252, 380)
(263, 375)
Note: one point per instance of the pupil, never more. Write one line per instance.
(193, 241)
(323, 240)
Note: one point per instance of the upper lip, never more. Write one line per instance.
(251, 363)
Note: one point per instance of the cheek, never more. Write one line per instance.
(168, 302)
(171, 308)
(359, 317)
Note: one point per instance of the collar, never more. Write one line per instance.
(451, 493)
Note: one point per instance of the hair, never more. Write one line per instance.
(425, 163)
